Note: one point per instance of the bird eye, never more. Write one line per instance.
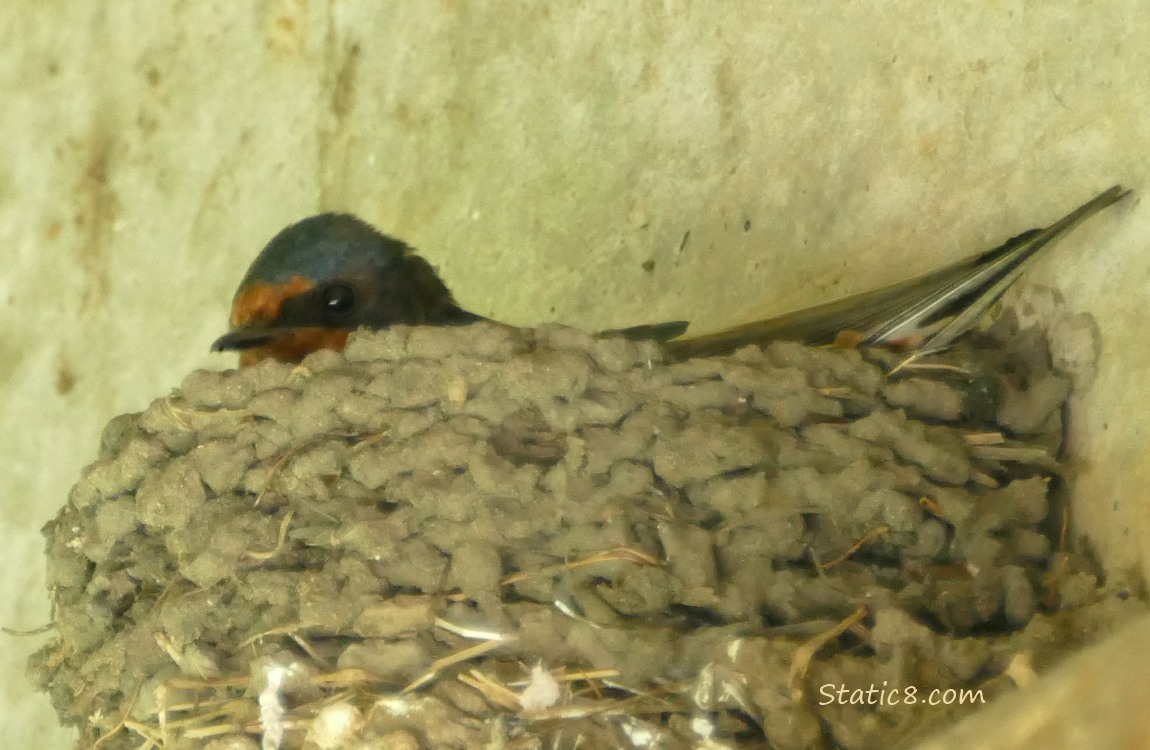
(338, 298)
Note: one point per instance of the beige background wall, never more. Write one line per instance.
(541, 154)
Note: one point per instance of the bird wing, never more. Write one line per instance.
(940, 306)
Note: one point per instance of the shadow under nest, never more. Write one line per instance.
(484, 537)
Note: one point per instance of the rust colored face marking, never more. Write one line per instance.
(293, 347)
(261, 302)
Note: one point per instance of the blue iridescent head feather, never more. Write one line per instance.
(323, 247)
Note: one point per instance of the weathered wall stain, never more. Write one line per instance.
(66, 375)
(97, 209)
(335, 134)
(286, 29)
(343, 92)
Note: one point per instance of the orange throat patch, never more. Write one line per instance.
(293, 347)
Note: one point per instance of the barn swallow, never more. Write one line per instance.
(321, 278)
(325, 276)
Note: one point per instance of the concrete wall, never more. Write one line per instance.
(543, 155)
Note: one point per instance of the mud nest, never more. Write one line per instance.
(487, 537)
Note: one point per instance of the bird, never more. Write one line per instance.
(323, 277)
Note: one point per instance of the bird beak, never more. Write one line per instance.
(248, 338)
(285, 343)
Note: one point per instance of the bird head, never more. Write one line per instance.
(321, 278)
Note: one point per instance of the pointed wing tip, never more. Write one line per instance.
(1112, 194)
